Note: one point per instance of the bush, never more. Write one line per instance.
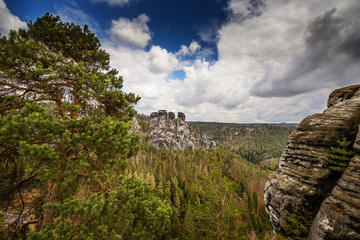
(340, 156)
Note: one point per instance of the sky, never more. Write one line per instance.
(234, 61)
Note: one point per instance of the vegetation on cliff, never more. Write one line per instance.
(340, 156)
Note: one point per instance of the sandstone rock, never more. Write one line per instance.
(168, 132)
(171, 115)
(181, 116)
(134, 126)
(303, 180)
(342, 94)
(339, 214)
(154, 115)
(163, 114)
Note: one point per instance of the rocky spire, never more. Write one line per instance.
(174, 133)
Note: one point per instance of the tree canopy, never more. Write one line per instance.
(64, 139)
(62, 63)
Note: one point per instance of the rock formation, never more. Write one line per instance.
(134, 127)
(169, 132)
(304, 183)
(339, 214)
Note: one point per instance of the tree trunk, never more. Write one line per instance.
(48, 215)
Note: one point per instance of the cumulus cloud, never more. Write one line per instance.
(242, 9)
(194, 46)
(329, 56)
(136, 65)
(133, 32)
(161, 61)
(277, 61)
(209, 32)
(8, 21)
(114, 2)
(189, 50)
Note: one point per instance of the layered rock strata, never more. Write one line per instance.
(339, 214)
(169, 132)
(303, 179)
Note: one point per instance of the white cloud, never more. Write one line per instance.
(8, 21)
(190, 50)
(133, 32)
(114, 2)
(273, 64)
(161, 61)
(326, 50)
(184, 50)
(136, 66)
(194, 46)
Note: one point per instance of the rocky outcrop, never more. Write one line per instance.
(134, 127)
(169, 132)
(303, 180)
(339, 214)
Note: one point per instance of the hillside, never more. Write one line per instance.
(218, 186)
(214, 194)
(254, 142)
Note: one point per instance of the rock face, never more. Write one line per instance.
(134, 127)
(174, 133)
(339, 214)
(303, 181)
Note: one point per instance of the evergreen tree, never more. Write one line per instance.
(340, 156)
(64, 124)
(132, 211)
(297, 227)
(213, 215)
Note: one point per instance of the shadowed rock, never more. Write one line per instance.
(171, 115)
(181, 116)
(154, 115)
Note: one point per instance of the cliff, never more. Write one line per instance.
(305, 184)
(169, 132)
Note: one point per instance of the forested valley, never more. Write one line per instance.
(71, 170)
(253, 142)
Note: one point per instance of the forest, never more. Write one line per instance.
(254, 142)
(71, 170)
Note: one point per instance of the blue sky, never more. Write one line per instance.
(219, 60)
(172, 23)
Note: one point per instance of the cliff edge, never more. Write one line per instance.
(305, 184)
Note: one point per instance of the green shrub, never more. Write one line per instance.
(340, 156)
(297, 227)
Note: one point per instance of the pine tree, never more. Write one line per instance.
(340, 156)
(64, 123)
(297, 227)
